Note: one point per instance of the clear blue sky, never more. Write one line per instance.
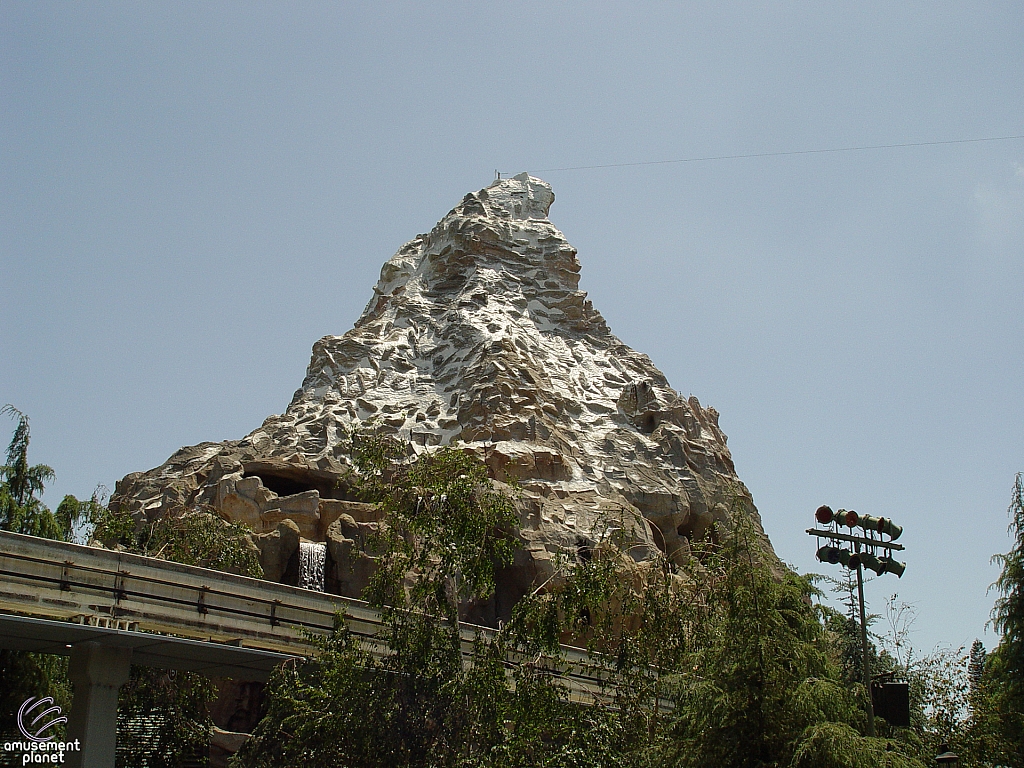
(191, 194)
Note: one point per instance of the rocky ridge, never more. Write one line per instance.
(477, 334)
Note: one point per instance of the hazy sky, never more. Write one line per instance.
(191, 194)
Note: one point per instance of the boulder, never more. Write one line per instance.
(278, 549)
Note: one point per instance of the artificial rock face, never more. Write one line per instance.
(476, 335)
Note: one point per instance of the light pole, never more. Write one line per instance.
(864, 554)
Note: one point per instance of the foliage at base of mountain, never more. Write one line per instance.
(753, 675)
(754, 671)
(193, 536)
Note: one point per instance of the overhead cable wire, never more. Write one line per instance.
(781, 153)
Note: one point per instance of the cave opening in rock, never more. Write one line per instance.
(698, 528)
(283, 486)
(648, 422)
(288, 480)
(584, 551)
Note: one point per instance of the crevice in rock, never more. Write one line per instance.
(584, 551)
(697, 528)
(291, 571)
(657, 535)
(289, 480)
(648, 421)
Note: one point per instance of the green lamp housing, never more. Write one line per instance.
(889, 528)
(828, 554)
(868, 560)
(893, 566)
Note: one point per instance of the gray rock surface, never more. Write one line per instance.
(476, 334)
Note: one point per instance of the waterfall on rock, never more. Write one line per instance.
(312, 558)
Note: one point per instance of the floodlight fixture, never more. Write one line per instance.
(892, 566)
(862, 556)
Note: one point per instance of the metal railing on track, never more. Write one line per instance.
(63, 581)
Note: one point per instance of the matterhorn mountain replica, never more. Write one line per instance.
(476, 335)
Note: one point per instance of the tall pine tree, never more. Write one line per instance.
(1006, 667)
(1008, 614)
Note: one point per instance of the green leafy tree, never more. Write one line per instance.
(446, 533)
(738, 648)
(445, 524)
(22, 511)
(972, 701)
(843, 632)
(1008, 614)
(998, 732)
(194, 536)
(162, 720)
(761, 685)
(976, 667)
(940, 695)
(22, 484)
(986, 739)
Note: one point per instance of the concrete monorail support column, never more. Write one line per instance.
(97, 672)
